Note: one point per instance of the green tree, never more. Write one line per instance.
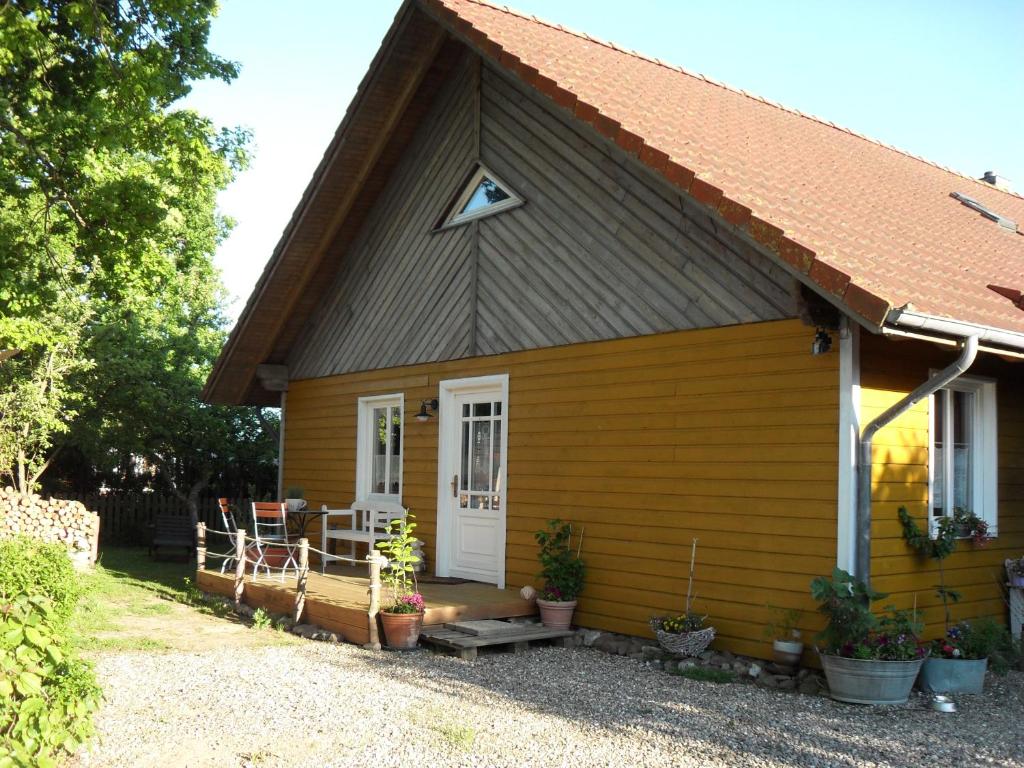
(108, 205)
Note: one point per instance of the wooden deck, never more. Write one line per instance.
(339, 602)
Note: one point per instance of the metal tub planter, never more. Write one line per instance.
(953, 675)
(867, 681)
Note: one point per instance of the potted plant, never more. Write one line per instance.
(787, 643)
(970, 526)
(686, 634)
(294, 498)
(402, 617)
(562, 571)
(867, 658)
(958, 661)
(1015, 572)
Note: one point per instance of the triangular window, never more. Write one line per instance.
(483, 195)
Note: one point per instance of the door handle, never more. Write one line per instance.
(455, 486)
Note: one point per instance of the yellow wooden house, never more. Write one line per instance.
(539, 276)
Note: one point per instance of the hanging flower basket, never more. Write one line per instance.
(682, 643)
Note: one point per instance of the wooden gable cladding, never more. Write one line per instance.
(600, 250)
(397, 90)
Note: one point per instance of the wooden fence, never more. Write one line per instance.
(125, 519)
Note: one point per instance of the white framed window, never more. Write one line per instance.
(484, 194)
(962, 455)
(379, 448)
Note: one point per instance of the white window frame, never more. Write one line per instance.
(984, 459)
(454, 218)
(365, 430)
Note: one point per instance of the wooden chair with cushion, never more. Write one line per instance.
(272, 547)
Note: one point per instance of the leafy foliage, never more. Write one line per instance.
(400, 572)
(854, 631)
(783, 625)
(684, 622)
(108, 208)
(32, 567)
(983, 638)
(561, 568)
(47, 696)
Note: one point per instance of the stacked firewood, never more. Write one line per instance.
(63, 520)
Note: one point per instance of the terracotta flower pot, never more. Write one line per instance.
(556, 614)
(402, 630)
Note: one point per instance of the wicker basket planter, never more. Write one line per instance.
(683, 643)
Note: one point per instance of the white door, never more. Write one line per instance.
(471, 479)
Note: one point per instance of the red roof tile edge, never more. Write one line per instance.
(860, 301)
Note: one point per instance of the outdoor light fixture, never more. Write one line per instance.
(423, 415)
(822, 342)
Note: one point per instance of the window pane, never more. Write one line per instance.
(464, 475)
(486, 193)
(963, 417)
(481, 409)
(938, 459)
(496, 465)
(378, 478)
(481, 458)
(395, 459)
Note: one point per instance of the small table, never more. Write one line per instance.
(302, 518)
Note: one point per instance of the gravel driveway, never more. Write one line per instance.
(314, 704)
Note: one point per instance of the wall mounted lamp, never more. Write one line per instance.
(822, 342)
(424, 414)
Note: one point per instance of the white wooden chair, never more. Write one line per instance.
(372, 526)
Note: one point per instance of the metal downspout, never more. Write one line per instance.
(863, 542)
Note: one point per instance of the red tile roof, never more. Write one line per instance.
(870, 224)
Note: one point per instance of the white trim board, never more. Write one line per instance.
(849, 437)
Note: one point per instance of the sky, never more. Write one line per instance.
(943, 80)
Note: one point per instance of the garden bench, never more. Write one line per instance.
(172, 531)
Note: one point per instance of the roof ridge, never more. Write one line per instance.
(733, 89)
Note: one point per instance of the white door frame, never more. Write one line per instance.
(446, 411)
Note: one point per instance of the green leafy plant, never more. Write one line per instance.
(31, 567)
(400, 573)
(295, 492)
(683, 622)
(854, 630)
(970, 525)
(47, 695)
(707, 674)
(261, 619)
(562, 569)
(783, 625)
(979, 639)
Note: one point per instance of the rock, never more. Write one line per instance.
(304, 630)
(706, 655)
(781, 669)
(589, 636)
(767, 681)
(671, 666)
(653, 653)
(754, 670)
(809, 685)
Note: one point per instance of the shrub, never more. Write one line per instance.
(561, 569)
(47, 696)
(32, 568)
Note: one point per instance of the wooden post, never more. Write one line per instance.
(300, 587)
(374, 559)
(200, 546)
(239, 567)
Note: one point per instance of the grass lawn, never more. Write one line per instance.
(136, 603)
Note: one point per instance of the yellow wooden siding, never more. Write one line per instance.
(725, 434)
(890, 369)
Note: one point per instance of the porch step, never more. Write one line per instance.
(465, 637)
